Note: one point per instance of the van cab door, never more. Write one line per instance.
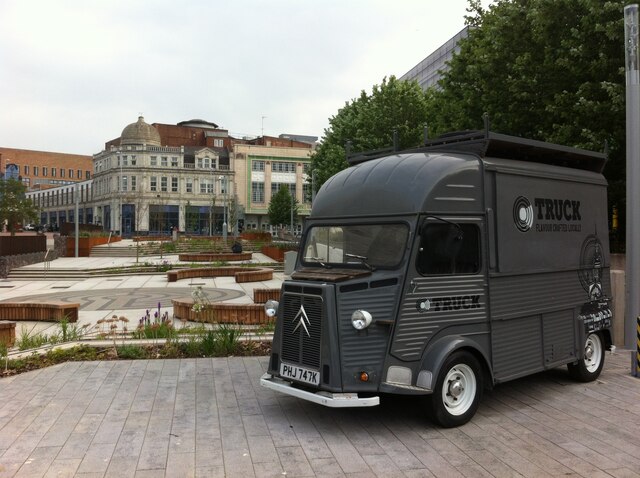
(445, 289)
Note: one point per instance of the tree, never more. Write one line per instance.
(280, 207)
(368, 122)
(551, 70)
(14, 205)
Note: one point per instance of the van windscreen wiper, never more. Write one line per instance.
(362, 259)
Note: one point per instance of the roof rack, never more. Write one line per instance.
(488, 144)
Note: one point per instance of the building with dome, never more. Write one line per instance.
(192, 176)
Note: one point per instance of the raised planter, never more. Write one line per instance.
(214, 256)
(241, 274)
(85, 244)
(243, 314)
(7, 333)
(276, 253)
(260, 296)
(52, 311)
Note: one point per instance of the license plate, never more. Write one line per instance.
(300, 374)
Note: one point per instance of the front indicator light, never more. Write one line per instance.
(364, 377)
(361, 319)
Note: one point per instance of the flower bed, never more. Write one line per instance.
(220, 313)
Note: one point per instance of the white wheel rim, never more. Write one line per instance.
(592, 353)
(459, 389)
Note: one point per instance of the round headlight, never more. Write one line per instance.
(271, 307)
(361, 319)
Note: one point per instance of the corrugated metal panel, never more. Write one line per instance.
(415, 327)
(517, 347)
(559, 336)
(513, 296)
(368, 347)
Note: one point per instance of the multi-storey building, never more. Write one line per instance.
(192, 176)
(44, 169)
(429, 71)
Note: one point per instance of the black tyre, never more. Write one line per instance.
(588, 368)
(458, 390)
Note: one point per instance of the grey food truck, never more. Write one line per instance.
(440, 271)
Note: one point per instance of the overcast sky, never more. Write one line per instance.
(74, 73)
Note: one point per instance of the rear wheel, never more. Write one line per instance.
(588, 368)
(458, 390)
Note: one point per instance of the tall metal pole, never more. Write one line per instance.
(632, 273)
(224, 211)
(77, 230)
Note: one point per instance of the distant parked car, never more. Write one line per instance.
(30, 227)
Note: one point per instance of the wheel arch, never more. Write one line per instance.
(438, 352)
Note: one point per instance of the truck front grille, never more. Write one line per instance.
(302, 329)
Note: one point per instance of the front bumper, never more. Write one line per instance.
(328, 399)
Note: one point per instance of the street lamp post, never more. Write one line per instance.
(224, 210)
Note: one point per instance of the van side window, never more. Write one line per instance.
(449, 249)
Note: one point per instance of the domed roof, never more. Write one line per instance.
(140, 133)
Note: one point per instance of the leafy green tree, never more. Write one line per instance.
(14, 205)
(551, 70)
(280, 207)
(368, 122)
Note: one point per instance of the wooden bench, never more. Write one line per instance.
(52, 311)
(241, 274)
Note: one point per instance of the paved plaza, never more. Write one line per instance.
(210, 417)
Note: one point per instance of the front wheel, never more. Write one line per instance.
(458, 390)
(588, 368)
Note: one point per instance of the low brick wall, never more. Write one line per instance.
(243, 314)
(260, 296)
(241, 274)
(40, 312)
(214, 256)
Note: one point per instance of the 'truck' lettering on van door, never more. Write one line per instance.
(442, 304)
(549, 214)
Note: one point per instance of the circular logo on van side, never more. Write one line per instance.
(522, 214)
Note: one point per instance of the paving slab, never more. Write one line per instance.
(209, 417)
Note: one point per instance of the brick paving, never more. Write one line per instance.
(210, 418)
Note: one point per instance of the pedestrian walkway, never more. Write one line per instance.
(210, 418)
(123, 295)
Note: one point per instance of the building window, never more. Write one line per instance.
(124, 183)
(189, 185)
(134, 180)
(125, 160)
(218, 143)
(164, 161)
(153, 161)
(44, 171)
(163, 184)
(257, 166)
(283, 167)
(257, 192)
(205, 163)
(133, 160)
(306, 193)
(174, 184)
(62, 172)
(54, 171)
(153, 183)
(206, 186)
(87, 174)
(174, 161)
(275, 187)
(26, 169)
(79, 176)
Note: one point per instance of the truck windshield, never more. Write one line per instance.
(364, 245)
